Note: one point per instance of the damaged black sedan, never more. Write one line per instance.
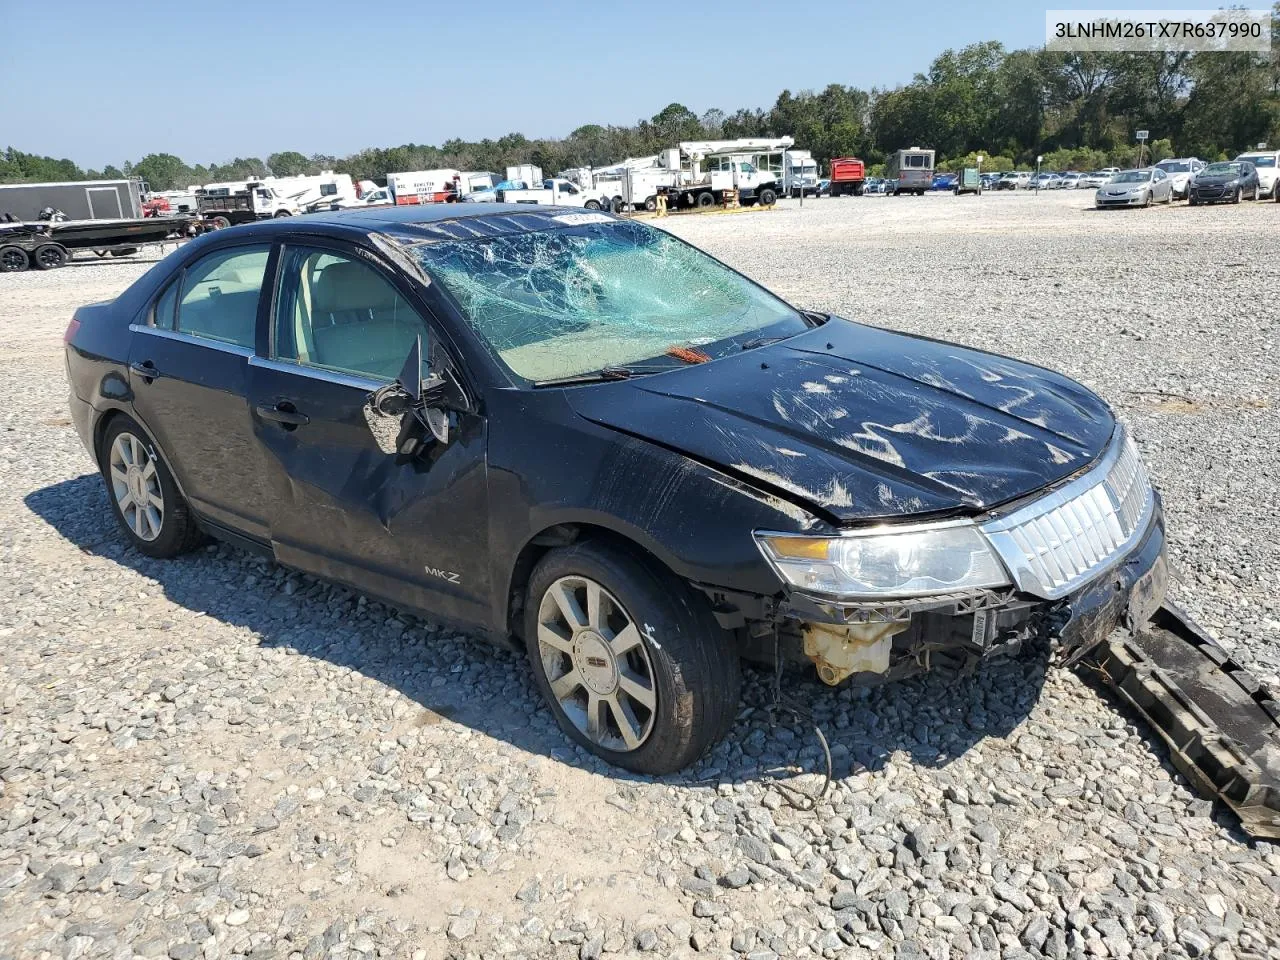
(584, 435)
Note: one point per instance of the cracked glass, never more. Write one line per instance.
(596, 293)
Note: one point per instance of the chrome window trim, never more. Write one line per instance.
(192, 339)
(355, 381)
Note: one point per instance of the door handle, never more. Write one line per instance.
(283, 413)
(145, 369)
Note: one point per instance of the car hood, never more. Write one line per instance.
(1217, 179)
(856, 423)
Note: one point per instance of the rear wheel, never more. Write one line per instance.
(592, 205)
(49, 256)
(13, 260)
(282, 213)
(146, 502)
(706, 199)
(632, 665)
(1254, 198)
(651, 204)
(220, 222)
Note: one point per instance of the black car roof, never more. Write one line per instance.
(438, 221)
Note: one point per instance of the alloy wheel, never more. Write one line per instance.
(596, 663)
(136, 486)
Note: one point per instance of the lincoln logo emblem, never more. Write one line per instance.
(596, 662)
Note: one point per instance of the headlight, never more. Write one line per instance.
(886, 561)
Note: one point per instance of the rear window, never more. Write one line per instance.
(1267, 161)
(1174, 166)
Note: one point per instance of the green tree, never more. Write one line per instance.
(290, 163)
(163, 171)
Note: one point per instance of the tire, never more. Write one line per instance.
(651, 204)
(49, 256)
(177, 532)
(13, 260)
(220, 222)
(706, 199)
(282, 213)
(767, 197)
(126, 252)
(1255, 193)
(691, 665)
(592, 205)
(1237, 197)
(1146, 200)
(1192, 202)
(858, 190)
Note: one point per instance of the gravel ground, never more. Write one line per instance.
(215, 756)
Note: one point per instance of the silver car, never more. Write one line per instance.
(1135, 188)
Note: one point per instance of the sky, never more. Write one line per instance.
(210, 81)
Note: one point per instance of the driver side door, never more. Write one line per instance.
(411, 530)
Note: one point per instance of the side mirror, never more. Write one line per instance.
(402, 414)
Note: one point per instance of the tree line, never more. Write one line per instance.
(1078, 110)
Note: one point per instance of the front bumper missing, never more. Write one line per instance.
(1221, 725)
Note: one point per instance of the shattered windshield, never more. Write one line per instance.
(1223, 169)
(601, 293)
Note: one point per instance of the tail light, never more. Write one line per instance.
(72, 327)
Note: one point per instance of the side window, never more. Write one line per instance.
(328, 189)
(337, 313)
(220, 295)
(162, 316)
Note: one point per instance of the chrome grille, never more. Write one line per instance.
(1062, 540)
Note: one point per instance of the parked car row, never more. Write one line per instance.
(1228, 181)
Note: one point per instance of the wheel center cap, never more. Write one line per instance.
(136, 485)
(595, 662)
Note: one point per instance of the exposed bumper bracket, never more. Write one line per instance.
(1221, 725)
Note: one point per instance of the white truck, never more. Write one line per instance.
(422, 186)
(710, 168)
(557, 191)
(242, 201)
(799, 173)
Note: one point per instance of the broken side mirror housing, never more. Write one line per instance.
(404, 415)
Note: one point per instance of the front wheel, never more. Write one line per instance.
(1239, 194)
(767, 197)
(144, 498)
(631, 662)
(1254, 198)
(282, 213)
(592, 205)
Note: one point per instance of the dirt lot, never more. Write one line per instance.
(215, 756)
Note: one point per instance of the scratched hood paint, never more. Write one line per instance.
(861, 423)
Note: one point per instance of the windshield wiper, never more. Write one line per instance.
(761, 342)
(599, 376)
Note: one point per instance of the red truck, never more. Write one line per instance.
(848, 174)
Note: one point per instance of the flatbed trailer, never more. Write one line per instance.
(46, 245)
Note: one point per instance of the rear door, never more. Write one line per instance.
(188, 370)
(411, 530)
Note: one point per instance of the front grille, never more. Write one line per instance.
(1059, 542)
